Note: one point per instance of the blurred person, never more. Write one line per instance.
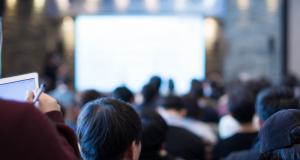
(149, 94)
(154, 134)
(228, 126)
(87, 96)
(36, 132)
(280, 136)
(199, 107)
(268, 102)
(174, 113)
(109, 129)
(242, 108)
(51, 64)
(123, 93)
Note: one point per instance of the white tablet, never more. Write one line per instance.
(14, 88)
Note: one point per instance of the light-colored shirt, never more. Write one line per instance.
(198, 128)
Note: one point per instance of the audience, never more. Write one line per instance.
(168, 127)
(109, 129)
(241, 107)
(174, 113)
(154, 136)
(268, 102)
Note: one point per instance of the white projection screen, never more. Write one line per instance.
(127, 50)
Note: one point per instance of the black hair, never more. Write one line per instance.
(272, 100)
(290, 153)
(149, 93)
(154, 132)
(124, 94)
(171, 102)
(89, 95)
(106, 128)
(241, 104)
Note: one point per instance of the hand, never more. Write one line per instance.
(45, 103)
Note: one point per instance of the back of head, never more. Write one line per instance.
(156, 82)
(123, 93)
(154, 133)
(107, 127)
(272, 100)
(89, 95)
(149, 93)
(241, 104)
(171, 102)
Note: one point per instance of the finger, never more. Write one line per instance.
(29, 96)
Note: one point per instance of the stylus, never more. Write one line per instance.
(40, 91)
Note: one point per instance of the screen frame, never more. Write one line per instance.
(23, 77)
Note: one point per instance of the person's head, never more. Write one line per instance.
(109, 129)
(154, 132)
(272, 100)
(155, 81)
(89, 95)
(280, 136)
(172, 103)
(241, 105)
(149, 93)
(123, 93)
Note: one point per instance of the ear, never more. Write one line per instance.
(133, 151)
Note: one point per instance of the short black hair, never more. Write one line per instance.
(241, 104)
(274, 99)
(171, 102)
(154, 132)
(123, 93)
(106, 128)
(89, 95)
(149, 93)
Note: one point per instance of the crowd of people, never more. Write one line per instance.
(243, 120)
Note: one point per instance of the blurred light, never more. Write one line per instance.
(180, 5)
(209, 4)
(152, 5)
(211, 31)
(11, 4)
(243, 5)
(68, 29)
(122, 5)
(63, 5)
(39, 5)
(272, 5)
(92, 5)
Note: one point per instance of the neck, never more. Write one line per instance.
(247, 128)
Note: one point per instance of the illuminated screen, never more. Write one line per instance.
(128, 50)
(16, 90)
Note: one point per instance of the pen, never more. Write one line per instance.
(40, 91)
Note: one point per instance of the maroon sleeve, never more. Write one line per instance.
(28, 134)
(68, 137)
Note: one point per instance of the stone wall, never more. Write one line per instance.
(254, 35)
(25, 39)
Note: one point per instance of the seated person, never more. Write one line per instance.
(280, 136)
(268, 102)
(123, 93)
(109, 129)
(241, 107)
(29, 134)
(183, 143)
(153, 136)
(174, 113)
